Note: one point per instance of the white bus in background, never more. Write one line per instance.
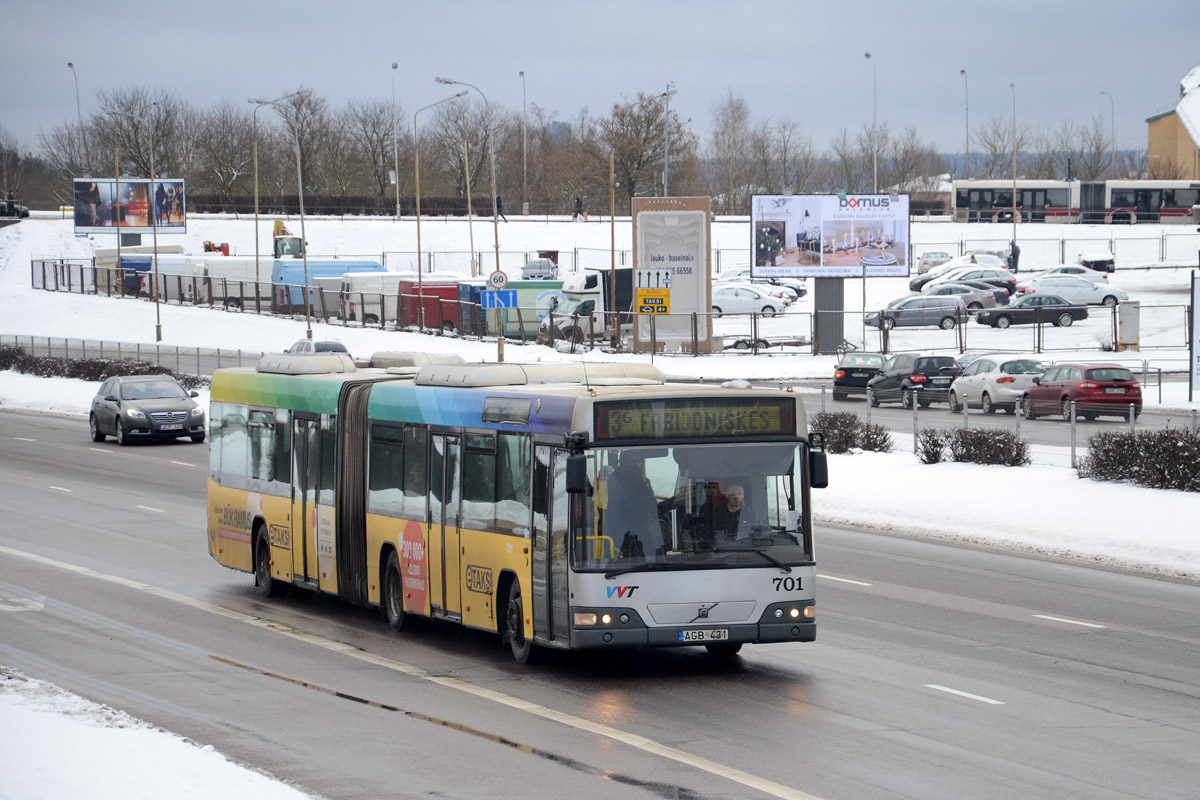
(371, 297)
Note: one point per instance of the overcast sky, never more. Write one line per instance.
(798, 59)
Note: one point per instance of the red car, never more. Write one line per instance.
(1096, 389)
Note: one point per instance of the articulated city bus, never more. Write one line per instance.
(573, 506)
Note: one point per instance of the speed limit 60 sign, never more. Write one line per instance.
(498, 280)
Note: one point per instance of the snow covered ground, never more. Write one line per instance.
(1060, 516)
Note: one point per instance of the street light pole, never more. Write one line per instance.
(1112, 153)
(667, 144)
(1013, 86)
(153, 214)
(417, 191)
(874, 130)
(79, 116)
(254, 118)
(967, 117)
(524, 152)
(495, 216)
(395, 143)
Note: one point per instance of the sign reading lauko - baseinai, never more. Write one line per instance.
(672, 250)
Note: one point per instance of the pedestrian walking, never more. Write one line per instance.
(500, 208)
(578, 215)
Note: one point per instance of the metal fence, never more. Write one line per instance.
(1167, 247)
(190, 360)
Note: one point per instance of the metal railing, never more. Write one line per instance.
(190, 360)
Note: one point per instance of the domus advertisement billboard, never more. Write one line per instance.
(829, 236)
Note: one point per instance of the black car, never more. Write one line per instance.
(132, 407)
(1033, 308)
(853, 372)
(906, 376)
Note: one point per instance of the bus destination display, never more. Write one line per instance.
(712, 419)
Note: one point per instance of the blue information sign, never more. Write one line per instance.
(499, 299)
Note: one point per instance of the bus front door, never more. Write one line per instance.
(445, 598)
(305, 467)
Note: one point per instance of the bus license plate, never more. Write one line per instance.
(171, 426)
(706, 635)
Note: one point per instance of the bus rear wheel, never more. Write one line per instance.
(514, 625)
(393, 593)
(267, 585)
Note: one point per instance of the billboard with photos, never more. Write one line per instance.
(131, 205)
(829, 236)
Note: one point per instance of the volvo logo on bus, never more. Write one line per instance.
(479, 579)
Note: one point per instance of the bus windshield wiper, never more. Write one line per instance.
(648, 566)
(756, 551)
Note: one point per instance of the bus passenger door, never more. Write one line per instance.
(445, 597)
(305, 468)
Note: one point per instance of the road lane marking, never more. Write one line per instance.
(23, 439)
(151, 508)
(968, 695)
(60, 489)
(99, 450)
(844, 580)
(1070, 621)
(183, 463)
(633, 740)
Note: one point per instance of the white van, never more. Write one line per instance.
(230, 281)
(371, 297)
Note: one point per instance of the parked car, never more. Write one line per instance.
(145, 407)
(1095, 388)
(853, 372)
(917, 310)
(1000, 278)
(1095, 276)
(794, 289)
(539, 269)
(993, 382)
(975, 299)
(977, 261)
(1075, 289)
(1099, 258)
(318, 346)
(930, 259)
(906, 376)
(999, 293)
(1033, 308)
(744, 298)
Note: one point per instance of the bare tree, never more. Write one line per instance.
(729, 153)
(376, 133)
(224, 150)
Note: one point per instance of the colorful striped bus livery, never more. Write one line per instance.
(570, 506)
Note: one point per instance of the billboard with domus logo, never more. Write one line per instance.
(829, 236)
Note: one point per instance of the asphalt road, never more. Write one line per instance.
(939, 672)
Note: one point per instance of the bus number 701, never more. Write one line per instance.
(788, 584)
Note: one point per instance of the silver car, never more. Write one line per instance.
(743, 298)
(917, 310)
(1074, 289)
(974, 298)
(994, 381)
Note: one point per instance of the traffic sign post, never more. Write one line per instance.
(498, 280)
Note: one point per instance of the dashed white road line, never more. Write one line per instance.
(183, 463)
(844, 580)
(967, 695)
(60, 489)
(23, 439)
(1070, 621)
(151, 508)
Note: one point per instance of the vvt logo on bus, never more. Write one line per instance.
(622, 591)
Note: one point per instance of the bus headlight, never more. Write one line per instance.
(585, 618)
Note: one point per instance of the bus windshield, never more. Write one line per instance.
(693, 506)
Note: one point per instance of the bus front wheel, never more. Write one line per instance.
(514, 625)
(393, 592)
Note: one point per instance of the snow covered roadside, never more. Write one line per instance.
(54, 744)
